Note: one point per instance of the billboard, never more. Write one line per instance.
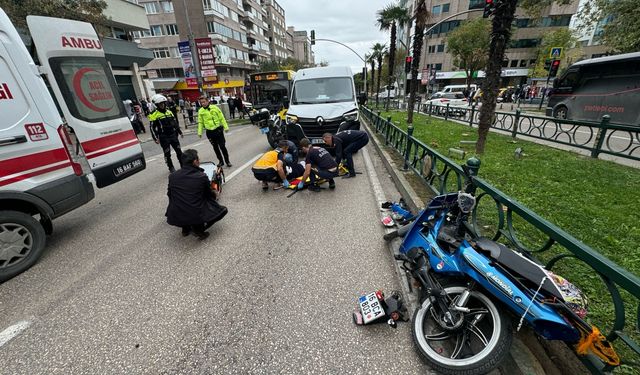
(206, 57)
(187, 64)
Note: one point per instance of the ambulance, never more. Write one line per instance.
(63, 128)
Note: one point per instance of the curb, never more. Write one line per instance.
(521, 359)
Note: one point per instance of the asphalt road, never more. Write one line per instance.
(118, 291)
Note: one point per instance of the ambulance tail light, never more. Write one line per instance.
(68, 147)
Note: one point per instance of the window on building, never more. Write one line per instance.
(445, 8)
(524, 43)
(167, 6)
(151, 8)
(234, 16)
(172, 29)
(523, 63)
(476, 4)
(438, 67)
(436, 10)
(505, 63)
(513, 64)
(440, 48)
(532, 62)
(156, 30)
(119, 33)
(173, 51)
(431, 49)
(521, 22)
(161, 53)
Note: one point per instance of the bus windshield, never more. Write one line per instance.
(323, 90)
(270, 90)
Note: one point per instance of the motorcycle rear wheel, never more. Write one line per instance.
(475, 348)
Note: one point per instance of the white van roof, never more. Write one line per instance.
(327, 71)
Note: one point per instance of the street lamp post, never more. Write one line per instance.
(351, 49)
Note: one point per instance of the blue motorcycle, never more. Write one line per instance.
(471, 287)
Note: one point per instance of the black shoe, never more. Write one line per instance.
(332, 184)
(229, 165)
(265, 185)
(202, 236)
(220, 163)
(314, 188)
(348, 176)
(171, 169)
(186, 232)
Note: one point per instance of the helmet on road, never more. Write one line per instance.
(157, 99)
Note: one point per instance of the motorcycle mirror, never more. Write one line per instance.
(362, 99)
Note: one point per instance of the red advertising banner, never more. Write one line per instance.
(204, 49)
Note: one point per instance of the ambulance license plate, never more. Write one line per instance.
(128, 167)
(370, 307)
(317, 141)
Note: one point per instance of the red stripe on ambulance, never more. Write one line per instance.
(108, 141)
(28, 162)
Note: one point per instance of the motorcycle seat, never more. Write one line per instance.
(518, 264)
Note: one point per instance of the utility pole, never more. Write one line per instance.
(194, 52)
(351, 49)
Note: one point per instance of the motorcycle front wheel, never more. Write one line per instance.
(477, 346)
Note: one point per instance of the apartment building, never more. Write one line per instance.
(277, 30)
(125, 56)
(302, 50)
(589, 35)
(239, 30)
(519, 57)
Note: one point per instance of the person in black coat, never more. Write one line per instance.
(346, 143)
(192, 203)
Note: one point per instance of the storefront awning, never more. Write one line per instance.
(164, 84)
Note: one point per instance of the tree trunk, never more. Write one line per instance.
(373, 75)
(415, 63)
(379, 76)
(392, 62)
(500, 36)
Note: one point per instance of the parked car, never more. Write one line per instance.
(455, 100)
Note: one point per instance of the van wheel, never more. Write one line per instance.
(22, 240)
(560, 112)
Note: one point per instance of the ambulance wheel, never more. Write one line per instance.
(22, 240)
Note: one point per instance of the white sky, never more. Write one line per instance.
(352, 22)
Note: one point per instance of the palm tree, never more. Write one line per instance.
(390, 18)
(421, 16)
(371, 60)
(379, 52)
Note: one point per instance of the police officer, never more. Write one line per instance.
(211, 119)
(346, 143)
(165, 130)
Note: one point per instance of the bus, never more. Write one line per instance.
(271, 90)
(592, 88)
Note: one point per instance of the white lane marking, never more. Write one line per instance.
(244, 166)
(13, 331)
(151, 159)
(195, 144)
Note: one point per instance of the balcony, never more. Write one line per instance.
(126, 15)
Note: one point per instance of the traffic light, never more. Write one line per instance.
(555, 64)
(313, 37)
(547, 64)
(407, 64)
(489, 8)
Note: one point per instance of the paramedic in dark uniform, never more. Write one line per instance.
(165, 130)
(318, 163)
(346, 143)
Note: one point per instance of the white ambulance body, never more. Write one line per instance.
(41, 155)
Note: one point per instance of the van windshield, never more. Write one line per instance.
(323, 90)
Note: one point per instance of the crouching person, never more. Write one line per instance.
(192, 203)
(277, 166)
(318, 164)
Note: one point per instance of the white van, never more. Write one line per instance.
(41, 154)
(458, 88)
(322, 99)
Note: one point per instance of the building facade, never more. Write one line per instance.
(519, 57)
(243, 33)
(302, 47)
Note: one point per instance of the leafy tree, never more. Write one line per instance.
(81, 10)
(500, 37)
(469, 44)
(421, 16)
(289, 63)
(560, 38)
(390, 18)
(621, 32)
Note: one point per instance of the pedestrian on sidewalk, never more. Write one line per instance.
(189, 107)
(232, 107)
(211, 119)
(346, 143)
(192, 202)
(240, 107)
(165, 130)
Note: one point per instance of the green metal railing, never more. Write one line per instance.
(443, 175)
(598, 138)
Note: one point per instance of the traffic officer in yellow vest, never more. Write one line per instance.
(211, 119)
(165, 129)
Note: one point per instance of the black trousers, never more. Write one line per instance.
(198, 228)
(323, 173)
(167, 143)
(350, 149)
(216, 137)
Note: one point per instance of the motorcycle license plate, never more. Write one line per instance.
(317, 141)
(264, 130)
(370, 308)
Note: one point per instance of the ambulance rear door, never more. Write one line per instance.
(73, 59)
